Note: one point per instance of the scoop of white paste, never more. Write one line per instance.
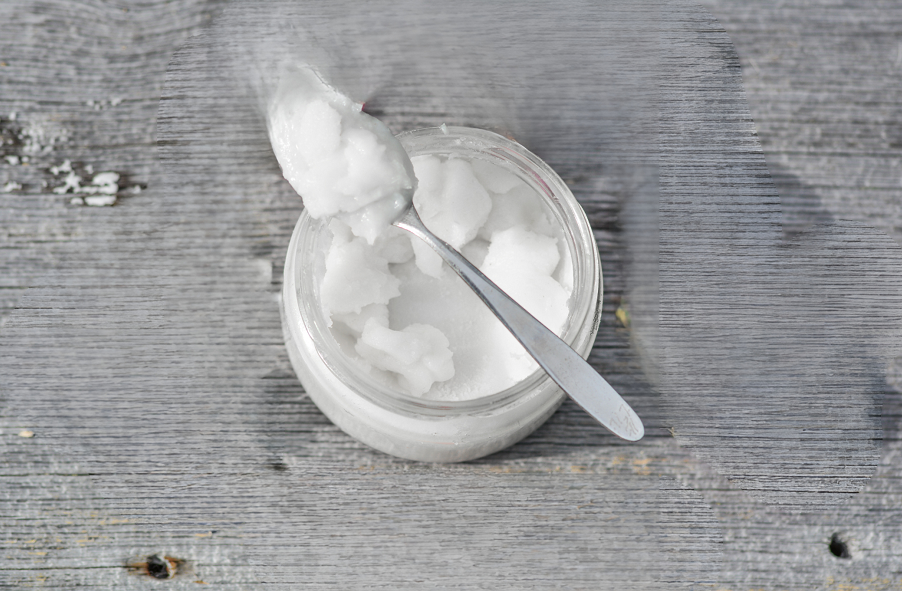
(343, 162)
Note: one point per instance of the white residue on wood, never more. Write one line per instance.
(99, 192)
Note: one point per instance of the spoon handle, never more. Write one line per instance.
(562, 364)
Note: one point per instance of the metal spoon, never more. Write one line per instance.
(562, 364)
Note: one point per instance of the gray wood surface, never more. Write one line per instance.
(151, 424)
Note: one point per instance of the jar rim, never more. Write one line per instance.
(583, 315)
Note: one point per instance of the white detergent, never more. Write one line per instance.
(393, 306)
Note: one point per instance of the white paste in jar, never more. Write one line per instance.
(392, 304)
(416, 308)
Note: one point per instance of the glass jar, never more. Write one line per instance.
(429, 430)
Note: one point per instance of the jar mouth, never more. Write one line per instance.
(311, 240)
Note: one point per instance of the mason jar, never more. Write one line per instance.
(398, 423)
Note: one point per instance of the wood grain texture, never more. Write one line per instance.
(81, 82)
(822, 77)
(146, 354)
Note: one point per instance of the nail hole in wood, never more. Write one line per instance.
(158, 566)
(838, 547)
(278, 466)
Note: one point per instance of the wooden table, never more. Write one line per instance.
(746, 203)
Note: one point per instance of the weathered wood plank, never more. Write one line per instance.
(168, 421)
(81, 82)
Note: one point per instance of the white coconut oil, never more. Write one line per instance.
(355, 313)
